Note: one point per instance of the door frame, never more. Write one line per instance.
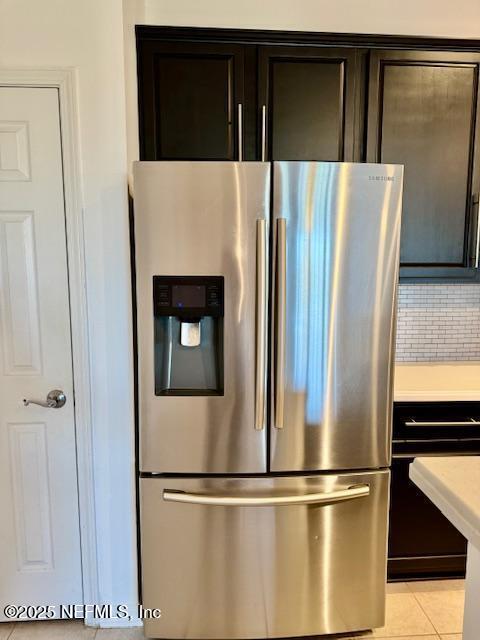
(64, 80)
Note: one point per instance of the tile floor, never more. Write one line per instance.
(415, 611)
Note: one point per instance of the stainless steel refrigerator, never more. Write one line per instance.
(266, 323)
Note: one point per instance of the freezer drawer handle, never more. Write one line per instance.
(438, 423)
(350, 493)
(281, 299)
(261, 325)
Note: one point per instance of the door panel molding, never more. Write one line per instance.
(14, 142)
(31, 495)
(20, 318)
(64, 79)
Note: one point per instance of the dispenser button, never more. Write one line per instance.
(163, 295)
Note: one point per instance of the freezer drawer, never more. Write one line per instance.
(264, 557)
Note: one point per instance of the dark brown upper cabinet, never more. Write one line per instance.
(423, 113)
(307, 101)
(221, 94)
(191, 98)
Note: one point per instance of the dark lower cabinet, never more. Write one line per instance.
(422, 542)
(189, 97)
(423, 113)
(307, 99)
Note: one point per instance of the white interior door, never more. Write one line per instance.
(39, 526)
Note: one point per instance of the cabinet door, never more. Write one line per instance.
(423, 113)
(422, 542)
(189, 97)
(307, 102)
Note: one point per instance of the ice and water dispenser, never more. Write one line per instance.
(188, 335)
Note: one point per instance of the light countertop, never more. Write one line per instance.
(437, 381)
(452, 484)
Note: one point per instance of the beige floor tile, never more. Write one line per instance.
(451, 636)
(404, 617)
(436, 585)
(443, 608)
(397, 587)
(429, 637)
(6, 629)
(120, 634)
(53, 630)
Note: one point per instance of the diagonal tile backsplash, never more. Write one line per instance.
(438, 322)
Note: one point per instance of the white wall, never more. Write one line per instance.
(439, 18)
(408, 17)
(88, 35)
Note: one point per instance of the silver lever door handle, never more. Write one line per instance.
(55, 400)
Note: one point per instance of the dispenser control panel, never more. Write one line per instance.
(188, 297)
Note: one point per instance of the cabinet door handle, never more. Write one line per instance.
(437, 423)
(264, 133)
(240, 132)
(439, 454)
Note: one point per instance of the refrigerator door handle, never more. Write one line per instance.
(264, 133)
(240, 131)
(261, 325)
(325, 498)
(280, 317)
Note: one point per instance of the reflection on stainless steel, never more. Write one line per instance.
(199, 218)
(342, 229)
(277, 571)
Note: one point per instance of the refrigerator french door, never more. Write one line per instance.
(265, 313)
(202, 220)
(336, 229)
